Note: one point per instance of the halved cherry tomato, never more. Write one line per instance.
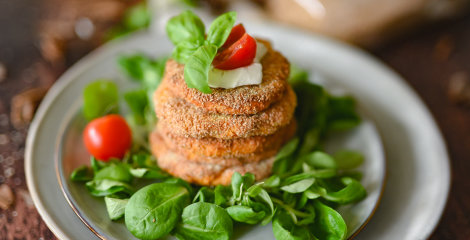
(239, 54)
(107, 137)
(236, 33)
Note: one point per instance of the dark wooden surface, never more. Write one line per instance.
(427, 58)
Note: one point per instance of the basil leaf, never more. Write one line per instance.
(186, 27)
(285, 229)
(328, 223)
(196, 70)
(115, 207)
(153, 211)
(107, 187)
(299, 186)
(353, 192)
(221, 28)
(348, 159)
(117, 172)
(82, 174)
(100, 98)
(245, 214)
(202, 221)
(183, 51)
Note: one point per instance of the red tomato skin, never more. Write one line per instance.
(239, 54)
(107, 137)
(236, 33)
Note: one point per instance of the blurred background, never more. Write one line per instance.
(425, 41)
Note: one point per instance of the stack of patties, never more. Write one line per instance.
(205, 138)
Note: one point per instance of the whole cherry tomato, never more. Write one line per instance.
(107, 137)
(240, 54)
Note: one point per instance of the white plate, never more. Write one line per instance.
(418, 170)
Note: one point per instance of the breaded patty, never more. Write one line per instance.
(225, 161)
(249, 99)
(204, 173)
(185, 119)
(241, 148)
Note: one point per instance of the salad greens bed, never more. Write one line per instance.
(299, 199)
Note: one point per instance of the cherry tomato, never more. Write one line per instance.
(236, 33)
(240, 54)
(107, 137)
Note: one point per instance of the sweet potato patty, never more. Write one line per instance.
(242, 148)
(185, 119)
(204, 173)
(249, 99)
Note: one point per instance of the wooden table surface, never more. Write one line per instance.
(428, 58)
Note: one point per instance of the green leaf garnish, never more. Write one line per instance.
(100, 98)
(221, 28)
(196, 70)
(187, 32)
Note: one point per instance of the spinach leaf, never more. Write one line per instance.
(320, 160)
(221, 28)
(328, 223)
(135, 18)
(137, 101)
(204, 221)
(100, 98)
(143, 69)
(204, 194)
(285, 229)
(196, 70)
(153, 211)
(245, 214)
(97, 165)
(148, 173)
(82, 174)
(272, 182)
(348, 159)
(299, 186)
(342, 113)
(107, 187)
(222, 195)
(353, 192)
(115, 207)
(182, 183)
(288, 149)
(115, 171)
(186, 27)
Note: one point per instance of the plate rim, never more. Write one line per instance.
(84, 63)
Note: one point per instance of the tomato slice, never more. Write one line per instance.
(107, 137)
(236, 33)
(240, 54)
